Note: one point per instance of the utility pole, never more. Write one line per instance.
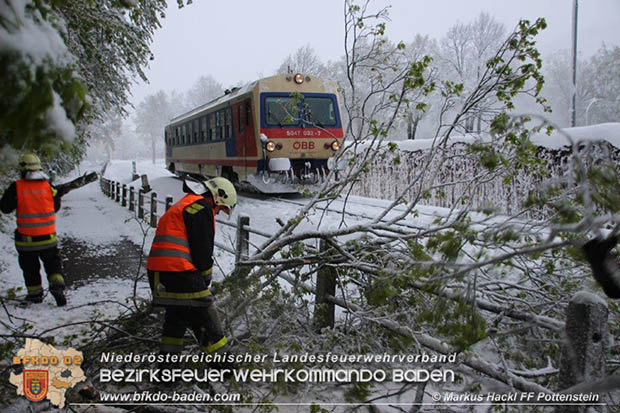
(573, 108)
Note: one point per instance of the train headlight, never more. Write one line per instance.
(299, 78)
(335, 146)
(270, 146)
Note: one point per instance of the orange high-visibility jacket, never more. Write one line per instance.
(170, 250)
(35, 208)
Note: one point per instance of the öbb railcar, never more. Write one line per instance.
(272, 135)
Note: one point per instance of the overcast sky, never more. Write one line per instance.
(243, 40)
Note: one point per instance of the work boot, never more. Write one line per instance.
(35, 298)
(59, 295)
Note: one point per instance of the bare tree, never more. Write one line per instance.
(305, 61)
(467, 280)
(152, 114)
(465, 50)
(205, 89)
(597, 89)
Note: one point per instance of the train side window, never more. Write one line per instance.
(228, 126)
(190, 132)
(196, 135)
(239, 114)
(203, 128)
(212, 126)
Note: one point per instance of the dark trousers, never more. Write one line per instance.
(204, 322)
(31, 267)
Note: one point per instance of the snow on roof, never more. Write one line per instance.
(609, 132)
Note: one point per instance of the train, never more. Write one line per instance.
(273, 135)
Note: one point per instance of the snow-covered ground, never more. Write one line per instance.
(99, 223)
(95, 221)
(91, 219)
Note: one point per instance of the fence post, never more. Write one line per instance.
(145, 183)
(140, 204)
(118, 192)
(242, 244)
(168, 202)
(324, 311)
(134, 173)
(153, 209)
(124, 196)
(583, 352)
(132, 199)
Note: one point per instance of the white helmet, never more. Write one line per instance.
(221, 189)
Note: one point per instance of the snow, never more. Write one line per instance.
(33, 37)
(609, 132)
(99, 222)
(279, 164)
(586, 297)
(387, 178)
(56, 118)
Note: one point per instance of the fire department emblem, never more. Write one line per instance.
(36, 384)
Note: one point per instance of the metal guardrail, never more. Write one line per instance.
(147, 207)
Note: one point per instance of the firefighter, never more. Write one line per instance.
(36, 202)
(180, 265)
(605, 264)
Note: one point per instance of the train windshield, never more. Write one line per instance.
(306, 111)
(281, 111)
(319, 111)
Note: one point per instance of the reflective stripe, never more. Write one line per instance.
(26, 216)
(38, 248)
(208, 272)
(26, 243)
(170, 253)
(159, 291)
(171, 239)
(56, 279)
(34, 288)
(218, 344)
(194, 208)
(37, 224)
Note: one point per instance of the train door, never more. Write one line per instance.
(245, 142)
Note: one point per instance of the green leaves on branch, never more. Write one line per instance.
(511, 76)
(459, 321)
